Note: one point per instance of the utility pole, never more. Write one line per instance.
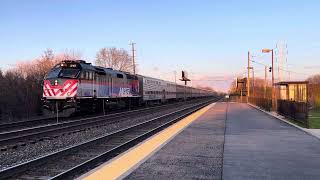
(175, 77)
(265, 81)
(248, 83)
(253, 85)
(133, 62)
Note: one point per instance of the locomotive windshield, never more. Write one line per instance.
(69, 73)
(54, 72)
(58, 72)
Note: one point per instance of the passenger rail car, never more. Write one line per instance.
(156, 90)
(73, 86)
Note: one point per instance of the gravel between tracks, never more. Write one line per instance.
(30, 151)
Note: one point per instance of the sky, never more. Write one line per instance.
(209, 39)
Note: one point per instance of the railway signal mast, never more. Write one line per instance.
(184, 77)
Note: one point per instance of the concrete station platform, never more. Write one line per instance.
(243, 143)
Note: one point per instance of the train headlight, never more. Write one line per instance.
(56, 82)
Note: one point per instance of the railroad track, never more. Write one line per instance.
(12, 139)
(73, 161)
(8, 127)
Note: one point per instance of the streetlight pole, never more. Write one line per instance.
(248, 79)
(274, 97)
(272, 68)
(274, 103)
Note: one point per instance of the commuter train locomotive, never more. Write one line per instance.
(75, 86)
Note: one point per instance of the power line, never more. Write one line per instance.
(280, 68)
(258, 63)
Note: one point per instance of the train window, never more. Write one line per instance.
(90, 76)
(129, 76)
(119, 76)
(83, 75)
(87, 75)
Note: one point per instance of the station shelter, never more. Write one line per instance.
(293, 91)
(292, 100)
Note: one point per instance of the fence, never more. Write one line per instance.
(263, 103)
(295, 110)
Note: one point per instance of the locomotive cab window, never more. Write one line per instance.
(69, 73)
(64, 70)
(119, 76)
(54, 72)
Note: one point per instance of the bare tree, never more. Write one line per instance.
(69, 55)
(314, 90)
(315, 79)
(114, 58)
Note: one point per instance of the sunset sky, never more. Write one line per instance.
(209, 39)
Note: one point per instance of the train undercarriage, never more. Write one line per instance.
(72, 106)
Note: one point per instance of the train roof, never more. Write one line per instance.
(89, 66)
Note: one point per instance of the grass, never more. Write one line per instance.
(314, 118)
(296, 122)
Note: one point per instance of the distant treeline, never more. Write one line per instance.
(314, 91)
